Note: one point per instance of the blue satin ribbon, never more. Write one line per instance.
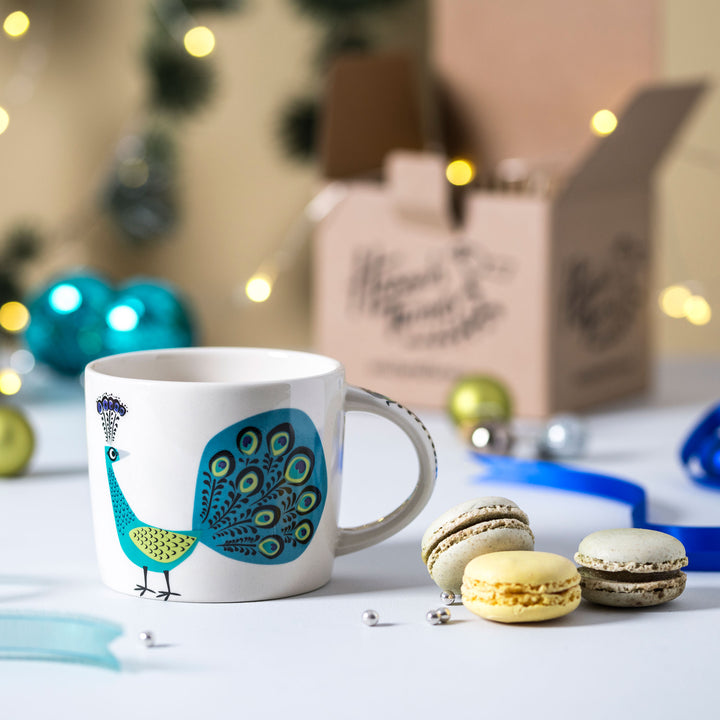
(700, 455)
(66, 638)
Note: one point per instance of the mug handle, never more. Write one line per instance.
(362, 536)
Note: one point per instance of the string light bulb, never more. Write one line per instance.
(14, 316)
(678, 301)
(603, 122)
(10, 382)
(697, 310)
(460, 172)
(16, 24)
(199, 41)
(4, 120)
(672, 300)
(259, 287)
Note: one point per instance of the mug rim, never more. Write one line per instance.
(104, 366)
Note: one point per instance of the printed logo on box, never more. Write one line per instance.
(604, 298)
(432, 299)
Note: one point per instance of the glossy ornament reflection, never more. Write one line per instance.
(476, 399)
(147, 315)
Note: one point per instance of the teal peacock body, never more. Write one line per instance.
(260, 493)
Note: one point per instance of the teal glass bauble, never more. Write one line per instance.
(147, 315)
(67, 321)
(80, 317)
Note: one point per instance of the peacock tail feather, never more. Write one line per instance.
(261, 488)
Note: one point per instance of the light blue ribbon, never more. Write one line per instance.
(65, 638)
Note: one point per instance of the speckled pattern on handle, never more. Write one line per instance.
(362, 536)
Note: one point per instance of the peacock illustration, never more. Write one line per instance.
(259, 495)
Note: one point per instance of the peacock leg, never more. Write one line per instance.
(165, 594)
(144, 588)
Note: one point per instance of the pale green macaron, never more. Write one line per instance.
(476, 527)
(631, 567)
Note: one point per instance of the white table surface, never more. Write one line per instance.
(311, 655)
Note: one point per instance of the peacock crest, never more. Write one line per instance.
(110, 410)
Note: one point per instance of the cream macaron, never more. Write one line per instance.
(519, 586)
(631, 567)
(472, 528)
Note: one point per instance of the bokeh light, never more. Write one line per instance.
(603, 122)
(22, 361)
(697, 310)
(557, 434)
(199, 41)
(65, 298)
(16, 24)
(460, 172)
(678, 301)
(14, 316)
(10, 382)
(133, 172)
(480, 437)
(258, 288)
(672, 300)
(4, 120)
(123, 318)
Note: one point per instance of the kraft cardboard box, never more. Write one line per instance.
(548, 291)
(522, 78)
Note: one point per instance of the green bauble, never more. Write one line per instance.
(17, 441)
(477, 399)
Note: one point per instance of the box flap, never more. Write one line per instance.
(371, 106)
(417, 187)
(522, 78)
(645, 129)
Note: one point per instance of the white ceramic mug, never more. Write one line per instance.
(215, 472)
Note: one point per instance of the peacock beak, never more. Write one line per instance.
(122, 454)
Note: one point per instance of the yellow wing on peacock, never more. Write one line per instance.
(259, 495)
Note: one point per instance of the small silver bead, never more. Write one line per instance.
(443, 614)
(448, 598)
(433, 617)
(370, 617)
(146, 638)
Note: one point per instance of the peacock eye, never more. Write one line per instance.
(222, 464)
(248, 440)
(112, 454)
(281, 439)
(308, 500)
(299, 466)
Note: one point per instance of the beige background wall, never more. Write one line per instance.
(241, 195)
(688, 230)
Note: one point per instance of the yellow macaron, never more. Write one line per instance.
(521, 586)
